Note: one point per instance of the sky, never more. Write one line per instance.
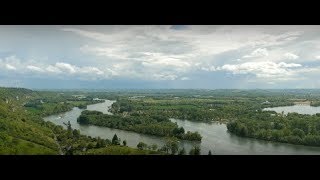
(162, 56)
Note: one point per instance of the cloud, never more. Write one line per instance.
(289, 65)
(93, 35)
(165, 77)
(185, 78)
(53, 69)
(148, 50)
(91, 70)
(252, 54)
(291, 56)
(260, 52)
(162, 60)
(34, 68)
(111, 52)
(10, 67)
(210, 68)
(66, 67)
(276, 71)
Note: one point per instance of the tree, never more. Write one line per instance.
(209, 152)
(69, 130)
(69, 126)
(154, 147)
(100, 143)
(69, 150)
(108, 142)
(178, 131)
(124, 142)
(195, 150)
(115, 140)
(172, 145)
(182, 152)
(90, 146)
(142, 145)
(76, 133)
(298, 132)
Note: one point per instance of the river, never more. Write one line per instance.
(301, 109)
(215, 136)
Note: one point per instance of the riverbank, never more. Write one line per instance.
(215, 137)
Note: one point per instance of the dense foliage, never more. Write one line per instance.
(292, 128)
(154, 125)
(23, 131)
(205, 109)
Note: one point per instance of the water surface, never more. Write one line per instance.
(301, 109)
(215, 136)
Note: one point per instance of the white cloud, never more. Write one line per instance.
(289, 65)
(91, 70)
(160, 48)
(66, 67)
(165, 76)
(34, 68)
(112, 52)
(185, 78)
(275, 71)
(10, 67)
(210, 68)
(93, 35)
(260, 52)
(160, 60)
(53, 69)
(291, 56)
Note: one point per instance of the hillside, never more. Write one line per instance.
(24, 132)
(21, 133)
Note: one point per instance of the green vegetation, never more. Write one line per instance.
(182, 152)
(119, 150)
(315, 103)
(47, 107)
(115, 140)
(142, 146)
(292, 128)
(154, 124)
(23, 131)
(195, 150)
(202, 109)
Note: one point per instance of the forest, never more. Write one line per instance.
(154, 125)
(293, 128)
(23, 130)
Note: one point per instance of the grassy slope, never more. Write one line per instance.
(24, 133)
(19, 133)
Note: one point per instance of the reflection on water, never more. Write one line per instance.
(301, 109)
(215, 136)
(217, 139)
